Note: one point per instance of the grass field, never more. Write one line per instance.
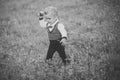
(93, 37)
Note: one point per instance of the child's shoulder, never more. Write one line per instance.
(60, 24)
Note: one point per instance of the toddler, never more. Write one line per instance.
(48, 18)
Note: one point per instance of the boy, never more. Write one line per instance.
(56, 32)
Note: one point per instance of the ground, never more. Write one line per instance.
(93, 40)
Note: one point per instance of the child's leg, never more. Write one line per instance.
(61, 51)
(50, 52)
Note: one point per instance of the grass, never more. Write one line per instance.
(93, 40)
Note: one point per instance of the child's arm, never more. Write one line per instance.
(63, 32)
(42, 22)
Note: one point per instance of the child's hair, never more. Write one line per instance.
(51, 11)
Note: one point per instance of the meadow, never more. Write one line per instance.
(93, 40)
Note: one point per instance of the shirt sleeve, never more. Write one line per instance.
(62, 30)
(43, 23)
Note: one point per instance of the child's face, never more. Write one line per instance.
(50, 18)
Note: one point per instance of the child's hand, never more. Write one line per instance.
(63, 42)
(41, 15)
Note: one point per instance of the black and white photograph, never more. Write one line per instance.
(59, 39)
